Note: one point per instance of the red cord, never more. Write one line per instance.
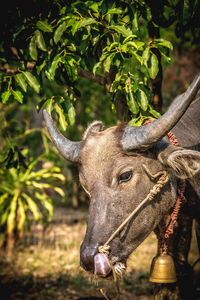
(179, 201)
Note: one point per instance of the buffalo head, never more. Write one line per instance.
(113, 172)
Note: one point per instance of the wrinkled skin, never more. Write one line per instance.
(111, 201)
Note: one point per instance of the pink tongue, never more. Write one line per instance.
(101, 265)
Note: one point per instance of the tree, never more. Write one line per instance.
(119, 40)
(79, 40)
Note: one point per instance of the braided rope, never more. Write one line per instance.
(175, 211)
(164, 178)
(179, 201)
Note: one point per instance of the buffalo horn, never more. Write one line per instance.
(70, 150)
(144, 137)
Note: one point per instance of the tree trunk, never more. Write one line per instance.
(10, 245)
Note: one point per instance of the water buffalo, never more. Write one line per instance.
(115, 171)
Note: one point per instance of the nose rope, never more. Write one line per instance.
(164, 178)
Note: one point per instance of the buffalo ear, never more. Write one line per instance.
(185, 163)
(96, 126)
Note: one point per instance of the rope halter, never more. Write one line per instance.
(163, 179)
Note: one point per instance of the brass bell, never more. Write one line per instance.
(163, 269)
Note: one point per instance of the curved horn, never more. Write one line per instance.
(144, 137)
(70, 150)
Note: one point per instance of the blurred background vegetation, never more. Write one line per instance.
(82, 61)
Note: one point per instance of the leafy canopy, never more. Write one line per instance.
(106, 41)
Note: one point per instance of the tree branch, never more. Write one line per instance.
(95, 78)
(9, 71)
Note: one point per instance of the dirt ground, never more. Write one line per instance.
(45, 265)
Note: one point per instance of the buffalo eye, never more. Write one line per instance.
(125, 176)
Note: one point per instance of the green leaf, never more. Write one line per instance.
(143, 99)
(5, 188)
(113, 45)
(46, 202)
(108, 62)
(39, 185)
(86, 22)
(32, 81)
(44, 26)
(11, 221)
(114, 11)
(40, 67)
(46, 171)
(48, 105)
(75, 27)
(5, 96)
(30, 168)
(164, 43)
(135, 20)
(134, 87)
(22, 214)
(12, 214)
(96, 66)
(153, 66)
(4, 215)
(40, 40)
(121, 29)
(132, 104)
(154, 113)
(52, 70)
(20, 79)
(139, 122)
(59, 32)
(93, 6)
(69, 110)
(132, 36)
(166, 57)
(145, 55)
(33, 48)
(71, 115)
(48, 205)
(132, 122)
(3, 198)
(137, 56)
(55, 175)
(32, 206)
(71, 67)
(62, 118)
(59, 191)
(135, 44)
(18, 96)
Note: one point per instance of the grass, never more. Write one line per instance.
(49, 271)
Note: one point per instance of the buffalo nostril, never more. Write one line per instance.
(87, 257)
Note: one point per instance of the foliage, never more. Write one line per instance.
(26, 180)
(54, 41)
(23, 191)
(88, 35)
